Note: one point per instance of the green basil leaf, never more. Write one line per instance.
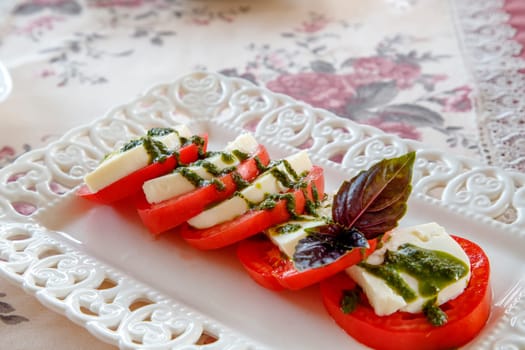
(321, 246)
(374, 200)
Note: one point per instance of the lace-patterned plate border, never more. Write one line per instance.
(493, 56)
(124, 312)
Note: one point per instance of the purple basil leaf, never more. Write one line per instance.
(392, 213)
(373, 228)
(377, 194)
(319, 249)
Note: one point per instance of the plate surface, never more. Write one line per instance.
(100, 267)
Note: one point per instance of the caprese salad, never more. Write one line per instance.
(122, 173)
(422, 289)
(179, 196)
(388, 287)
(339, 234)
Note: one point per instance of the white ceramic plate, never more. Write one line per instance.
(100, 267)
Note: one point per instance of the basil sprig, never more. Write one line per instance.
(366, 206)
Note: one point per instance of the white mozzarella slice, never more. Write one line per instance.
(121, 164)
(255, 193)
(175, 184)
(428, 236)
(286, 240)
(245, 143)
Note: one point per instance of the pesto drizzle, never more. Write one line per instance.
(228, 158)
(290, 179)
(350, 300)
(240, 183)
(157, 151)
(288, 228)
(433, 313)
(259, 164)
(434, 270)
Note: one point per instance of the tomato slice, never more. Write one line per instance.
(131, 184)
(467, 314)
(252, 222)
(160, 217)
(265, 263)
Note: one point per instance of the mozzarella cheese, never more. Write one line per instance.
(175, 184)
(286, 236)
(120, 164)
(428, 236)
(254, 193)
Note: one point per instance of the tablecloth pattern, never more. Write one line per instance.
(400, 65)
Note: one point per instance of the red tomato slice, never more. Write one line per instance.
(252, 222)
(467, 314)
(265, 263)
(160, 217)
(131, 184)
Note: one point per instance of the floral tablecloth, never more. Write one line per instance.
(449, 74)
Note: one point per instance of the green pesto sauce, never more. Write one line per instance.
(270, 200)
(199, 181)
(157, 151)
(190, 175)
(227, 158)
(156, 132)
(198, 141)
(290, 170)
(131, 144)
(433, 269)
(349, 300)
(218, 184)
(240, 155)
(315, 194)
(282, 177)
(259, 164)
(287, 228)
(313, 204)
(211, 168)
(240, 183)
(393, 279)
(433, 313)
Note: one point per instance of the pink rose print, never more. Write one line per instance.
(373, 66)
(405, 74)
(400, 129)
(315, 23)
(321, 90)
(6, 153)
(377, 68)
(116, 3)
(459, 100)
(49, 2)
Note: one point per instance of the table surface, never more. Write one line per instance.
(448, 74)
